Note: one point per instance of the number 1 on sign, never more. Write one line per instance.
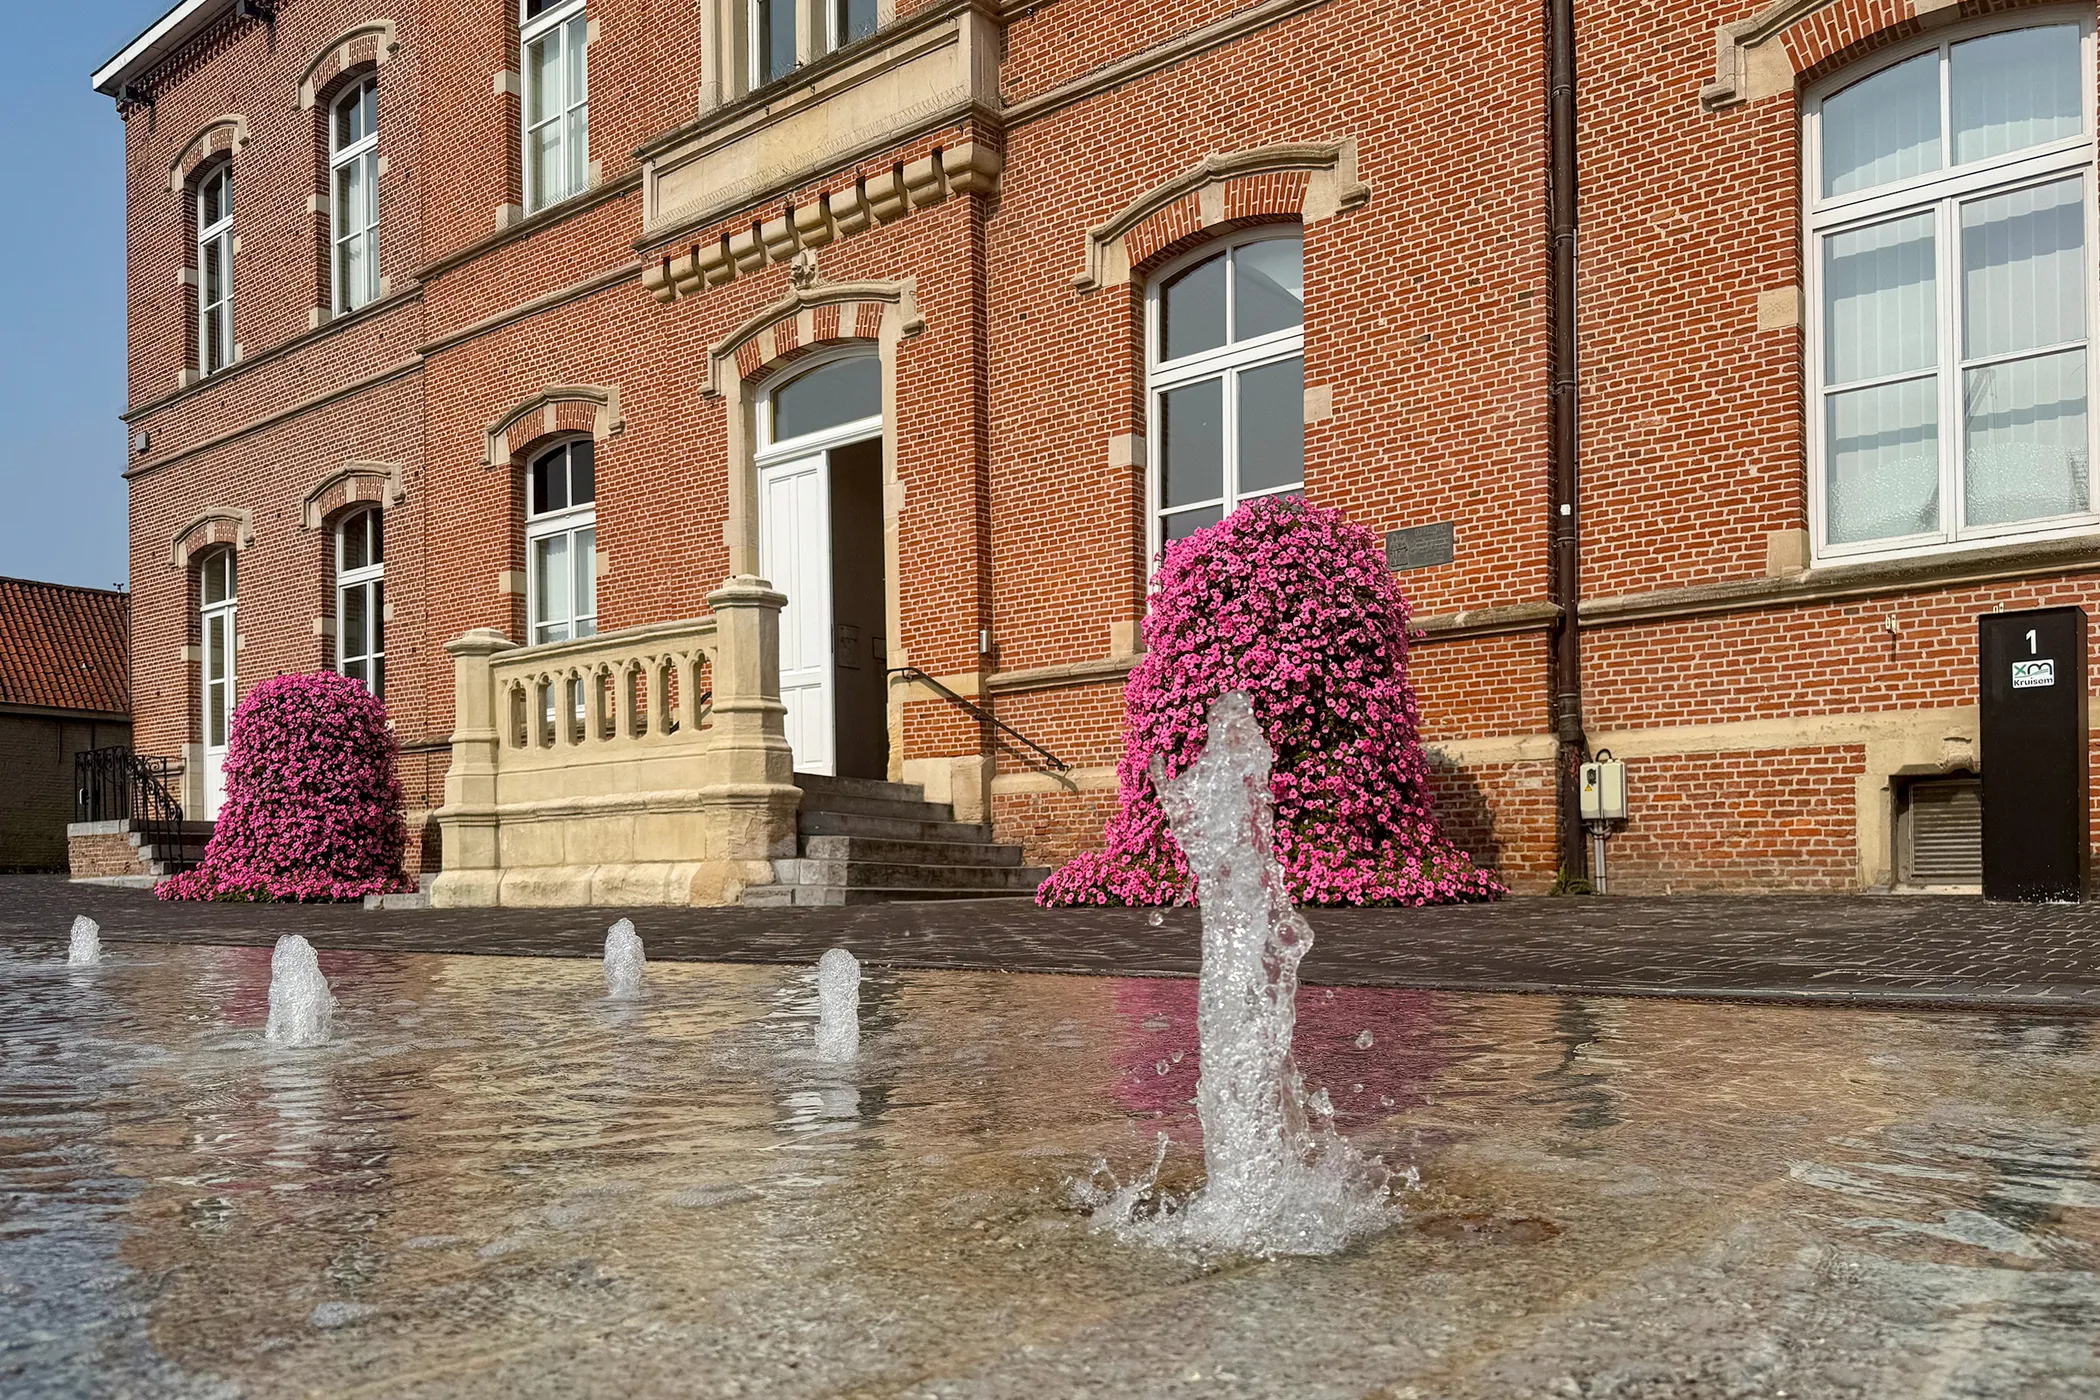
(2030, 642)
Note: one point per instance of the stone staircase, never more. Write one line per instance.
(859, 841)
(118, 853)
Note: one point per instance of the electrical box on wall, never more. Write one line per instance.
(2035, 737)
(1604, 791)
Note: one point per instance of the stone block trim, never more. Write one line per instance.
(214, 525)
(372, 42)
(564, 408)
(1309, 181)
(966, 168)
(778, 332)
(357, 482)
(219, 136)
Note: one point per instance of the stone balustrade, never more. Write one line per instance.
(643, 766)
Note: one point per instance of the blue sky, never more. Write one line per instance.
(62, 293)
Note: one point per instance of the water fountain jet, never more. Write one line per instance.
(1280, 1180)
(623, 961)
(85, 946)
(838, 1006)
(300, 1002)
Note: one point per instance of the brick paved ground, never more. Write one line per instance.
(1813, 948)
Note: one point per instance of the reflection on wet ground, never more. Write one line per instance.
(496, 1182)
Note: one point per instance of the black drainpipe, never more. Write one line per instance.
(1564, 583)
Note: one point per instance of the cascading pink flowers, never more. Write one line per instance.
(1293, 604)
(313, 804)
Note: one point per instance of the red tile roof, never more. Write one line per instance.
(64, 648)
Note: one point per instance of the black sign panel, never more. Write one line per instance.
(1421, 547)
(2034, 732)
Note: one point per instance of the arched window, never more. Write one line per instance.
(555, 38)
(561, 543)
(1225, 381)
(218, 581)
(840, 393)
(354, 205)
(215, 269)
(360, 599)
(1950, 217)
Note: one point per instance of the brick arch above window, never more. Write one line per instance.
(1303, 180)
(224, 135)
(371, 483)
(559, 410)
(1762, 56)
(210, 527)
(807, 317)
(369, 44)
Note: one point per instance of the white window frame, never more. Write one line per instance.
(754, 28)
(571, 521)
(558, 26)
(226, 611)
(1942, 193)
(1226, 361)
(215, 235)
(835, 24)
(362, 155)
(371, 580)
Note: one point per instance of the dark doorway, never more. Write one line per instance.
(860, 652)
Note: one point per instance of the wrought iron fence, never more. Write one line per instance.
(117, 785)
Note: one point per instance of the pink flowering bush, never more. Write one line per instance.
(1294, 605)
(313, 805)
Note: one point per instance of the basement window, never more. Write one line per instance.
(1939, 833)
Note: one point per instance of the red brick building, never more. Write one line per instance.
(63, 679)
(551, 316)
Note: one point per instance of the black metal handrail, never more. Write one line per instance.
(914, 673)
(115, 785)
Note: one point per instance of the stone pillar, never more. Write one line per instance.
(473, 872)
(748, 797)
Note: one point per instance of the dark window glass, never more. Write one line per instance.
(1192, 310)
(776, 39)
(1193, 443)
(1268, 287)
(378, 524)
(355, 552)
(1180, 527)
(843, 391)
(550, 481)
(1272, 426)
(583, 473)
(856, 20)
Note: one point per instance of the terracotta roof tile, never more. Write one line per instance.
(64, 648)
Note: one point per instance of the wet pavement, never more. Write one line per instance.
(496, 1183)
(1866, 949)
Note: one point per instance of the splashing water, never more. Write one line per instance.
(86, 945)
(623, 961)
(300, 1002)
(1280, 1180)
(838, 1006)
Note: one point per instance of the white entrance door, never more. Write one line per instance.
(794, 552)
(218, 702)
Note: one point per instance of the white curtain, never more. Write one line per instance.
(1883, 129)
(2014, 90)
(2023, 269)
(1884, 462)
(1880, 301)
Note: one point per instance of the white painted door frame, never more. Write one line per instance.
(220, 634)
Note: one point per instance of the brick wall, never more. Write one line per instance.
(1425, 324)
(36, 802)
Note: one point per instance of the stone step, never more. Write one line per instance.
(818, 786)
(892, 851)
(869, 874)
(862, 824)
(830, 896)
(862, 805)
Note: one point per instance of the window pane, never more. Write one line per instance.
(586, 573)
(844, 391)
(583, 472)
(378, 591)
(577, 137)
(1192, 443)
(369, 107)
(218, 198)
(215, 647)
(1272, 426)
(376, 520)
(1883, 129)
(356, 622)
(346, 123)
(1881, 312)
(215, 715)
(356, 552)
(1268, 287)
(379, 676)
(550, 562)
(2025, 452)
(1188, 522)
(214, 589)
(776, 39)
(547, 173)
(355, 670)
(856, 20)
(1192, 310)
(543, 96)
(2023, 269)
(1884, 462)
(2014, 90)
(550, 482)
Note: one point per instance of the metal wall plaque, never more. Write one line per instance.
(1421, 546)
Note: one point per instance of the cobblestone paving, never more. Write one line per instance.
(1830, 948)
